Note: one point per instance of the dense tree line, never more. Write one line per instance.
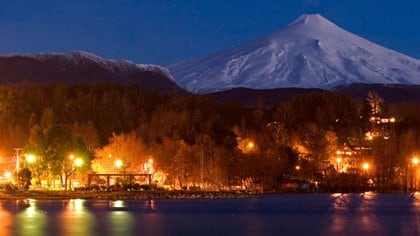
(195, 140)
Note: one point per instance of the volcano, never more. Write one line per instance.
(311, 52)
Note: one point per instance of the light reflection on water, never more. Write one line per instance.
(30, 220)
(314, 214)
(76, 219)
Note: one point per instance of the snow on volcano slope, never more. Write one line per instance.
(311, 52)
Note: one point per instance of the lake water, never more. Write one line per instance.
(288, 214)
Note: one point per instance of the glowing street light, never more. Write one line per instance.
(415, 161)
(78, 162)
(365, 166)
(7, 175)
(339, 160)
(30, 158)
(148, 166)
(297, 167)
(118, 163)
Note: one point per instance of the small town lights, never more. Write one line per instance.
(78, 162)
(148, 167)
(7, 175)
(415, 161)
(30, 158)
(118, 163)
(297, 167)
(365, 166)
(338, 160)
(71, 156)
(247, 145)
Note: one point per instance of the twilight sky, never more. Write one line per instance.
(165, 31)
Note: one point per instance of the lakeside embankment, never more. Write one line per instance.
(122, 195)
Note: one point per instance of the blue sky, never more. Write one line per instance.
(165, 31)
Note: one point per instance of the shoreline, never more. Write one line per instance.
(123, 195)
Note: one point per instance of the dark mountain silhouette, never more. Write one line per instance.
(391, 93)
(81, 67)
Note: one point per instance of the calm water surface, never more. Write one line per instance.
(289, 214)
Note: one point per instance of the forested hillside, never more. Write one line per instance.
(194, 139)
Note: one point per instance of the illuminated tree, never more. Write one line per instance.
(51, 146)
(125, 147)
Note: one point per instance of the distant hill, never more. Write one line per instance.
(391, 93)
(82, 67)
(268, 97)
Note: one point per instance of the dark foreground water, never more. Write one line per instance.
(289, 214)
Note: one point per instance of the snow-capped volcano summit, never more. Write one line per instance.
(311, 52)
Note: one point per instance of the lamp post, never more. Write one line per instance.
(17, 159)
(365, 167)
(75, 163)
(414, 162)
(30, 158)
(118, 164)
(339, 160)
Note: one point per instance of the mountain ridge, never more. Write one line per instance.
(83, 67)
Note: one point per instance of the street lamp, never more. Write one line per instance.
(339, 160)
(75, 162)
(78, 162)
(118, 163)
(30, 158)
(8, 175)
(414, 161)
(365, 166)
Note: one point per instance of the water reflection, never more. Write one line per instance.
(365, 218)
(31, 221)
(412, 222)
(150, 206)
(338, 218)
(76, 219)
(323, 214)
(121, 223)
(5, 222)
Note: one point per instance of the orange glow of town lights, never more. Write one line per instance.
(415, 161)
(118, 163)
(297, 167)
(30, 158)
(365, 166)
(78, 162)
(7, 175)
(71, 156)
(338, 160)
(251, 145)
